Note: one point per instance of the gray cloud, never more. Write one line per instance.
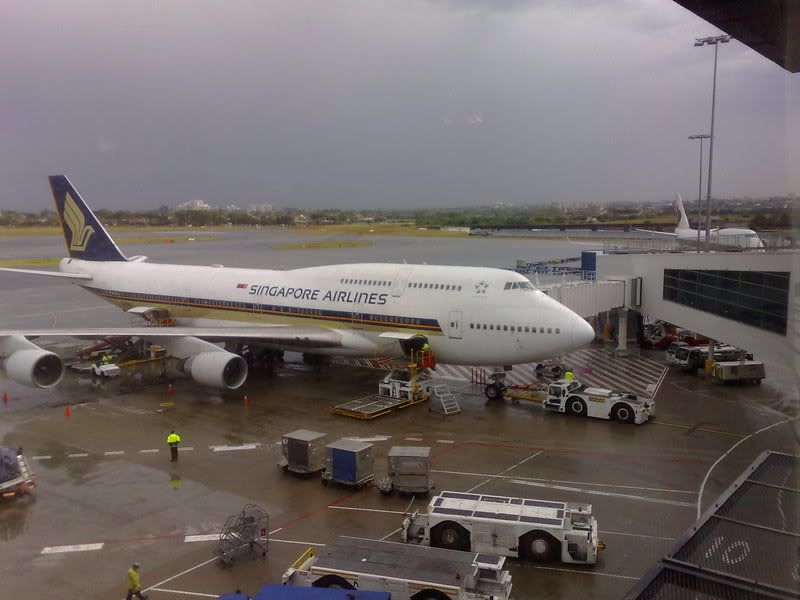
(365, 104)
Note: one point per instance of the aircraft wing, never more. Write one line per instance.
(306, 337)
(669, 233)
(47, 273)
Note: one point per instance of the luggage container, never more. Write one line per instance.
(409, 470)
(348, 462)
(303, 452)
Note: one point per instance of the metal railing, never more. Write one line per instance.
(764, 242)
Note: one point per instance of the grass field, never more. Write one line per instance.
(331, 244)
(22, 263)
(405, 229)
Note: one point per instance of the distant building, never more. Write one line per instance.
(261, 208)
(194, 205)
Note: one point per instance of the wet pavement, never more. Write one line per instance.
(105, 480)
(107, 494)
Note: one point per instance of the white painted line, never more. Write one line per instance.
(413, 439)
(78, 455)
(524, 460)
(391, 533)
(445, 441)
(639, 535)
(613, 485)
(577, 572)
(74, 548)
(186, 449)
(211, 537)
(374, 438)
(731, 449)
(276, 530)
(166, 591)
(229, 448)
(113, 452)
(150, 451)
(189, 570)
(375, 510)
(603, 493)
(41, 457)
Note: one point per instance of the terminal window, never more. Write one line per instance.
(757, 298)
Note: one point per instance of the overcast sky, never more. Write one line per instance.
(381, 104)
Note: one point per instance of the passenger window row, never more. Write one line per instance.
(436, 286)
(373, 282)
(512, 328)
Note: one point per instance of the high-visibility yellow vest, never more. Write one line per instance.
(173, 438)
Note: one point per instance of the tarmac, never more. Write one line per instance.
(107, 494)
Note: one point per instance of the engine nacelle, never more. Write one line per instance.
(223, 370)
(37, 367)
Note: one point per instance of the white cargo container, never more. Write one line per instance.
(539, 530)
(303, 451)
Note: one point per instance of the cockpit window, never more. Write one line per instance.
(518, 285)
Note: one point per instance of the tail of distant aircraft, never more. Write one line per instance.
(86, 238)
(683, 222)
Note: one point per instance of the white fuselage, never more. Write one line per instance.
(734, 237)
(470, 315)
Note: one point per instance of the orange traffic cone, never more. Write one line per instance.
(169, 389)
(245, 402)
(66, 410)
(5, 397)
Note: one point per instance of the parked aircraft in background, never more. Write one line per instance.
(730, 237)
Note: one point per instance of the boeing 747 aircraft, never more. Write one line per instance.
(468, 315)
(729, 237)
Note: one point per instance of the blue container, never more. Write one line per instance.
(288, 592)
(349, 462)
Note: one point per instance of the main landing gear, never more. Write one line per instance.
(496, 389)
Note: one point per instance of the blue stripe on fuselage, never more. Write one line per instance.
(297, 312)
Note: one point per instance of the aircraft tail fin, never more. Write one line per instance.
(86, 238)
(683, 221)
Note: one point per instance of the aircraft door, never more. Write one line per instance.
(400, 282)
(455, 325)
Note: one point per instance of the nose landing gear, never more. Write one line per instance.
(496, 389)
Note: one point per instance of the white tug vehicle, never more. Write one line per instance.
(571, 396)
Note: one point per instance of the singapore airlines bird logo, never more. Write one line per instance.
(79, 230)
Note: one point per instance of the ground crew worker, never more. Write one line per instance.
(426, 347)
(106, 359)
(173, 439)
(568, 375)
(134, 583)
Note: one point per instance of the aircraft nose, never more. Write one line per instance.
(582, 332)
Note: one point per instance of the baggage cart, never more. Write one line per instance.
(249, 530)
(20, 480)
(409, 470)
(303, 452)
(348, 462)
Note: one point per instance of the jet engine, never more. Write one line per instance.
(221, 369)
(28, 364)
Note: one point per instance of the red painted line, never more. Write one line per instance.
(317, 510)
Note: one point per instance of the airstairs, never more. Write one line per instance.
(442, 400)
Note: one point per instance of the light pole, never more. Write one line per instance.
(715, 41)
(701, 137)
